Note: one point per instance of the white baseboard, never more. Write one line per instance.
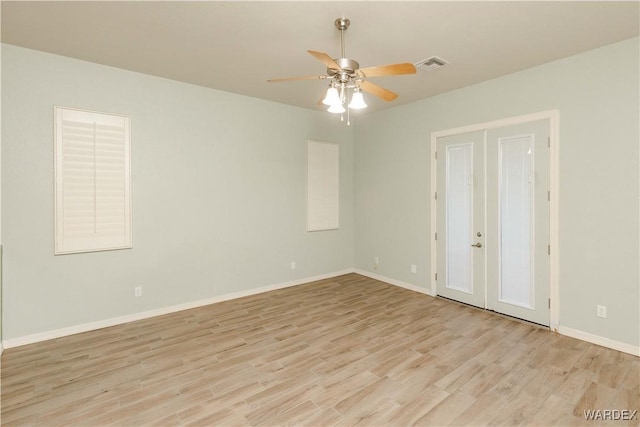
(92, 326)
(393, 281)
(86, 327)
(599, 340)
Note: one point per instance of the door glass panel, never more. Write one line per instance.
(459, 217)
(516, 220)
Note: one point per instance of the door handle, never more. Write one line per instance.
(477, 245)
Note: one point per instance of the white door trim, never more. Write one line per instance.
(553, 117)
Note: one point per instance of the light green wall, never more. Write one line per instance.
(597, 95)
(219, 194)
(219, 188)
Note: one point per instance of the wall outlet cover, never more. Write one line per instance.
(601, 311)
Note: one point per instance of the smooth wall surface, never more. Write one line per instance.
(219, 195)
(597, 95)
(219, 189)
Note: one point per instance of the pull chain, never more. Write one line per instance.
(348, 113)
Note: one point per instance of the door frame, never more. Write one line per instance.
(553, 117)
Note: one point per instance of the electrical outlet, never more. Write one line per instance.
(601, 311)
(293, 265)
(138, 291)
(414, 268)
(376, 262)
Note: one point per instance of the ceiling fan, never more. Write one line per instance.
(347, 79)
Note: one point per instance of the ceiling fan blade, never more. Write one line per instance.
(288, 79)
(325, 59)
(389, 70)
(378, 91)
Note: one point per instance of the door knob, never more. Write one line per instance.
(477, 245)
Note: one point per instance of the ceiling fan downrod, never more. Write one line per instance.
(342, 24)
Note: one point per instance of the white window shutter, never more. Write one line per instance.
(323, 193)
(92, 181)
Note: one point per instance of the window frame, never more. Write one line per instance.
(62, 245)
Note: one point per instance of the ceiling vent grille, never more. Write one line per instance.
(431, 63)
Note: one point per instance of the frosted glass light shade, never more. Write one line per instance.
(336, 108)
(332, 97)
(357, 101)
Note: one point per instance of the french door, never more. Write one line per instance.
(492, 219)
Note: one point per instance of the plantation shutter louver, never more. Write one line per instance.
(92, 163)
(323, 186)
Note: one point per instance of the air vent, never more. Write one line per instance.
(431, 64)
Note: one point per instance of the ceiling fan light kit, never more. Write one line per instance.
(336, 109)
(357, 100)
(347, 79)
(332, 97)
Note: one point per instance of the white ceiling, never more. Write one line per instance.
(237, 46)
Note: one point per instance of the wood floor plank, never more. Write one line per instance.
(411, 409)
(446, 410)
(554, 411)
(343, 351)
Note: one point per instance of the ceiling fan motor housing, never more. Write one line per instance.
(347, 66)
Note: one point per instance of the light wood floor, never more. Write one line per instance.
(343, 351)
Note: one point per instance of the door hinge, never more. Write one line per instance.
(549, 141)
(549, 195)
(436, 155)
(436, 236)
(436, 276)
(548, 249)
(435, 196)
(549, 300)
